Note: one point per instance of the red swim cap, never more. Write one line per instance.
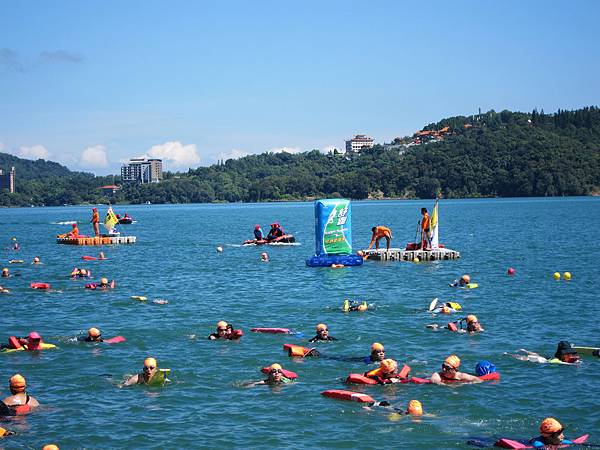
(34, 335)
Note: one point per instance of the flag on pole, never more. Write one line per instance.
(111, 219)
(434, 227)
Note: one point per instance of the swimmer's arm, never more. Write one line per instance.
(436, 379)
(470, 378)
(131, 381)
(254, 383)
(33, 403)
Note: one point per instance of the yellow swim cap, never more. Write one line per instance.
(388, 366)
(18, 383)
(221, 324)
(471, 318)
(104, 281)
(321, 326)
(550, 425)
(453, 361)
(150, 362)
(376, 346)
(94, 332)
(415, 408)
(50, 447)
(275, 367)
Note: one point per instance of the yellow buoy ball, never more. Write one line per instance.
(567, 276)
(556, 275)
(416, 260)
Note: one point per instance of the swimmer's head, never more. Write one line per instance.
(150, 366)
(465, 279)
(471, 318)
(388, 366)
(36, 259)
(94, 333)
(550, 425)
(104, 280)
(376, 346)
(275, 372)
(445, 309)
(51, 446)
(322, 330)
(83, 272)
(452, 361)
(257, 227)
(17, 383)
(415, 408)
(74, 225)
(34, 336)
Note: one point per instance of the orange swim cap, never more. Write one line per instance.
(94, 332)
(221, 324)
(471, 318)
(362, 307)
(18, 383)
(466, 278)
(321, 326)
(446, 310)
(388, 366)
(275, 367)
(550, 425)
(415, 408)
(376, 346)
(453, 361)
(150, 362)
(104, 281)
(50, 447)
(4, 432)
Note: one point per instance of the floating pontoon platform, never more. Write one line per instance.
(398, 254)
(101, 240)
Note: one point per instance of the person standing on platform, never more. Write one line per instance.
(95, 222)
(425, 230)
(378, 233)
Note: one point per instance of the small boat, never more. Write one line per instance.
(125, 221)
(281, 240)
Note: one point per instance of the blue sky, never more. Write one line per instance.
(92, 83)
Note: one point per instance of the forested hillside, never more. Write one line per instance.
(502, 154)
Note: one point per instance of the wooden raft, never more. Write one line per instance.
(398, 254)
(101, 240)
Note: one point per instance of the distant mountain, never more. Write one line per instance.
(503, 154)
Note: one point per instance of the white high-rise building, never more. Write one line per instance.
(358, 142)
(142, 170)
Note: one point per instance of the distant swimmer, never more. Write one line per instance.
(378, 233)
(101, 256)
(19, 401)
(377, 354)
(150, 374)
(264, 257)
(33, 342)
(322, 334)
(463, 282)
(3, 290)
(354, 305)
(414, 408)
(450, 373)
(93, 335)
(225, 331)
(80, 273)
(15, 245)
(472, 325)
(565, 354)
(5, 273)
(386, 373)
(276, 375)
(36, 260)
(104, 284)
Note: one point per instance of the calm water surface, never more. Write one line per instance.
(206, 407)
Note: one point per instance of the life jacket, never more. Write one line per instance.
(13, 342)
(425, 222)
(376, 374)
(296, 350)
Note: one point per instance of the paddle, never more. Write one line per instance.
(433, 304)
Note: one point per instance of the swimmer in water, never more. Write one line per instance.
(101, 256)
(552, 434)
(221, 332)
(415, 408)
(264, 257)
(473, 325)
(5, 273)
(275, 377)
(462, 281)
(322, 334)
(93, 335)
(36, 260)
(104, 284)
(386, 373)
(3, 290)
(80, 273)
(149, 370)
(450, 372)
(19, 396)
(377, 354)
(564, 354)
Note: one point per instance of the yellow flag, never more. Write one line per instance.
(111, 219)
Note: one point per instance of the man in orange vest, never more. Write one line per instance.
(95, 221)
(378, 233)
(425, 230)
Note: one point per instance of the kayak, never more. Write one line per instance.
(125, 221)
(286, 239)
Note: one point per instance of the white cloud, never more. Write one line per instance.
(234, 153)
(94, 157)
(175, 154)
(286, 150)
(35, 152)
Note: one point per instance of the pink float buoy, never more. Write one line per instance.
(510, 271)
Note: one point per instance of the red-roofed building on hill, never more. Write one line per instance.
(110, 189)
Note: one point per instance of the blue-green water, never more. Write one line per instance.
(206, 407)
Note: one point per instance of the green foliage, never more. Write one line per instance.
(498, 154)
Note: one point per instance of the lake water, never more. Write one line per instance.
(206, 406)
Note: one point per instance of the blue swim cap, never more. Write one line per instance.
(484, 367)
